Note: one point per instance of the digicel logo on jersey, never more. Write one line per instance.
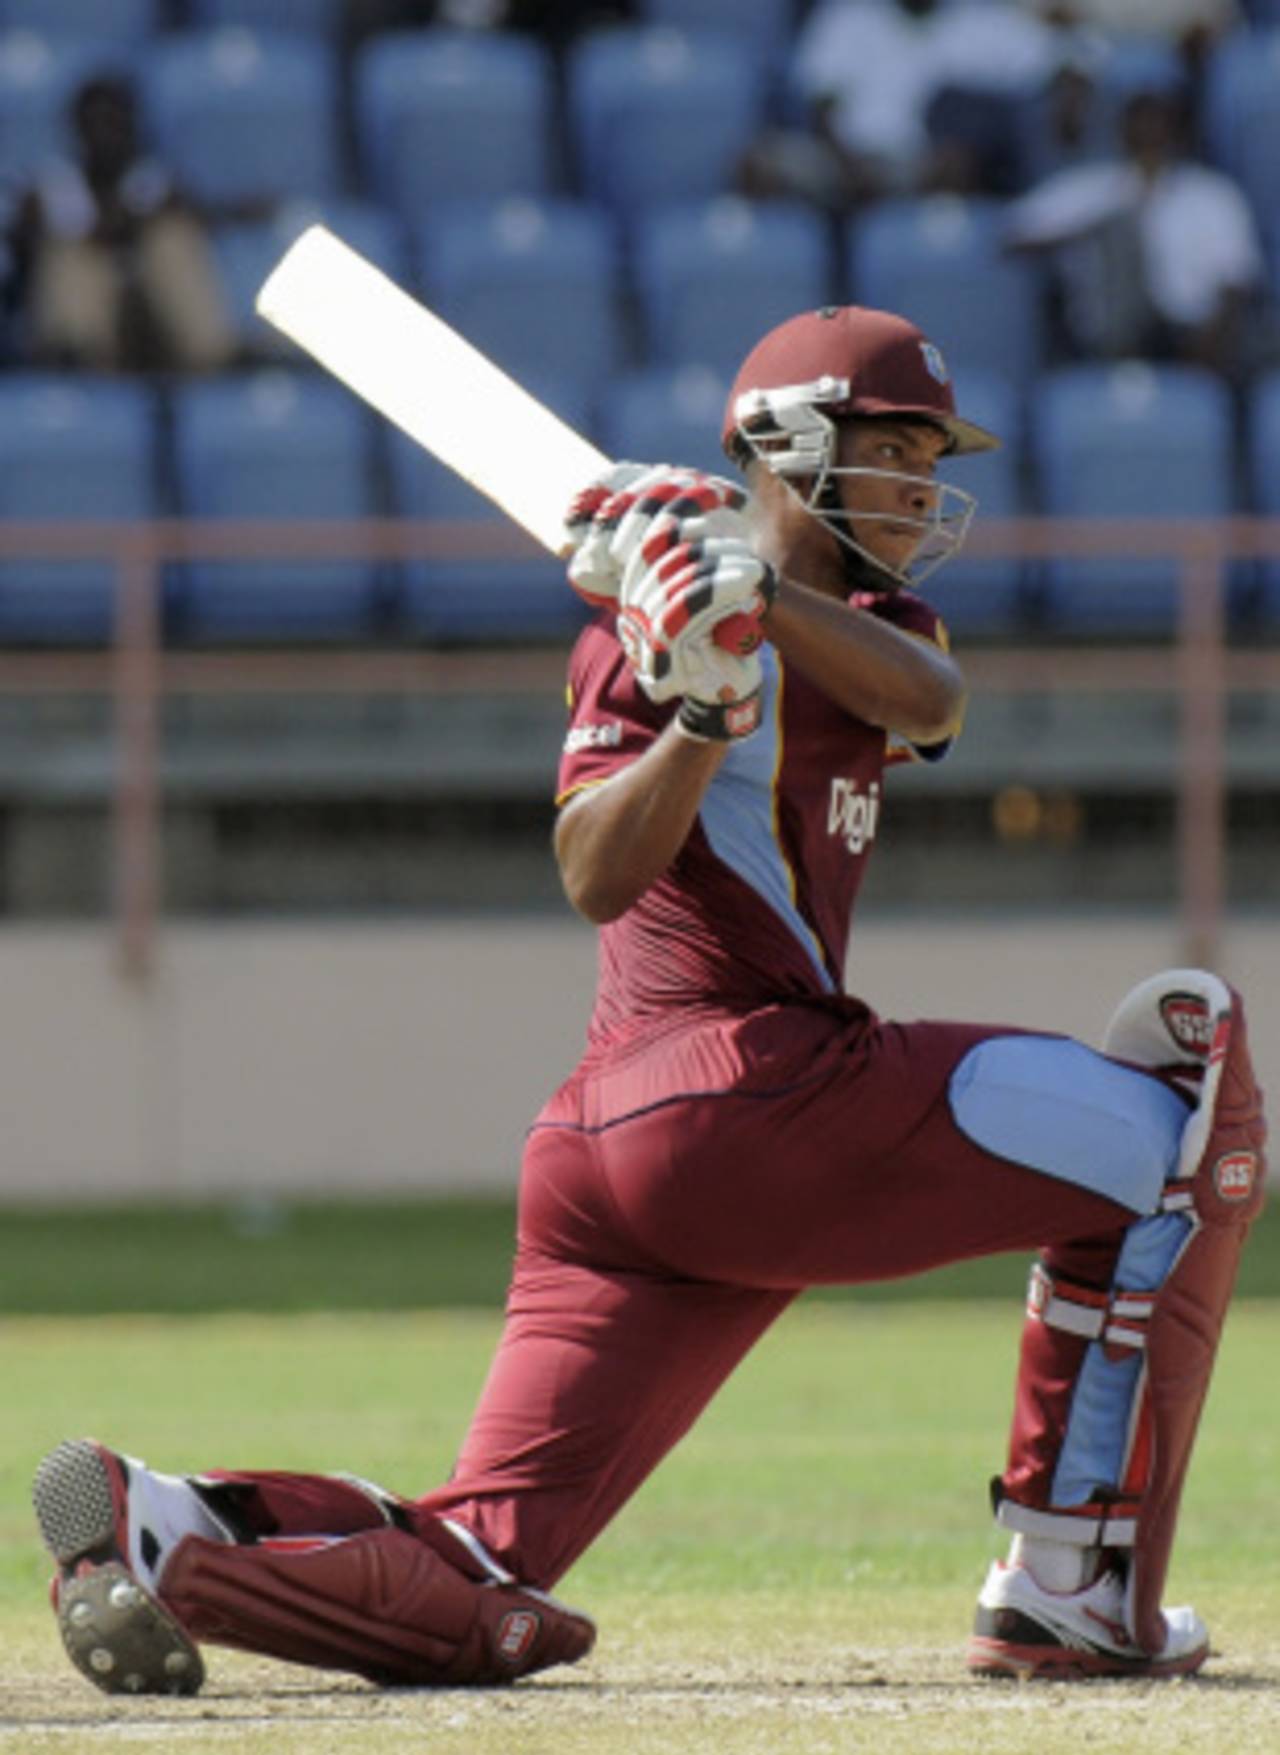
(852, 814)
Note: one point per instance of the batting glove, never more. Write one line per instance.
(612, 519)
(724, 694)
(671, 621)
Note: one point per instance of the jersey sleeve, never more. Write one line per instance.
(611, 719)
(913, 615)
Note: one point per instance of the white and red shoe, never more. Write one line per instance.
(1025, 1631)
(109, 1525)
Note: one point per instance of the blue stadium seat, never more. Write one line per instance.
(88, 21)
(766, 25)
(38, 76)
(1129, 441)
(534, 284)
(1263, 441)
(470, 600)
(986, 597)
(658, 115)
(1242, 115)
(71, 449)
(713, 277)
(244, 117)
(315, 18)
(444, 115)
(668, 414)
(274, 445)
(939, 261)
(246, 253)
(1131, 63)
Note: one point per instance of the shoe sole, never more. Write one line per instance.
(1060, 1663)
(115, 1632)
(121, 1639)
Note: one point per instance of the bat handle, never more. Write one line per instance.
(739, 634)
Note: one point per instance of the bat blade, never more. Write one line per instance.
(430, 382)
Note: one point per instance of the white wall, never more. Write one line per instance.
(326, 1059)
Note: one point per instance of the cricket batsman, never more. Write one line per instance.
(740, 1128)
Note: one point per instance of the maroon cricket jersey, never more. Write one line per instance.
(756, 906)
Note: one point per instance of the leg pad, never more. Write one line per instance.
(392, 1607)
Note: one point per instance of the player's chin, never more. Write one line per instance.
(893, 552)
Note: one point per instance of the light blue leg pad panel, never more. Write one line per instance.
(1058, 1107)
(1097, 1435)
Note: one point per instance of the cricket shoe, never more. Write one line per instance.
(1024, 1631)
(110, 1524)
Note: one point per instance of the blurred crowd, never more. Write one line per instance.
(1086, 118)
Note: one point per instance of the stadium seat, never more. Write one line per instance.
(1129, 441)
(713, 277)
(939, 261)
(667, 414)
(242, 117)
(658, 115)
(767, 26)
(444, 115)
(1263, 445)
(315, 18)
(1242, 117)
(86, 21)
(274, 445)
(38, 76)
(976, 597)
(1129, 63)
(246, 253)
(71, 449)
(477, 599)
(535, 284)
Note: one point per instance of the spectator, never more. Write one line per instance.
(1152, 254)
(870, 69)
(109, 267)
(1175, 20)
(1067, 125)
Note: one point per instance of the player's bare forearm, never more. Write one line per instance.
(613, 840)
(867, 666)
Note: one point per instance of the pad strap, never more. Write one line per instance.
(1117, 1317)
(1110, 1523)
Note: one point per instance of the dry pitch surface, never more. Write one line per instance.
(736, 1684)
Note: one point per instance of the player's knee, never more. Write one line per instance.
(1058, 1107)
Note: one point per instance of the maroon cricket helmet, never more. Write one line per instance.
(850, 360)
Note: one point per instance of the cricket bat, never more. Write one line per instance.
(427, 379)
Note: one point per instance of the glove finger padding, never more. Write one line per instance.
(697, 584)
(685, 597)
(611, 520)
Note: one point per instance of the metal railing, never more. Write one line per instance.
(138, 671)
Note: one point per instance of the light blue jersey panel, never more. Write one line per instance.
(1059, 1107)
(738, 820)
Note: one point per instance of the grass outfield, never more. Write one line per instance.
(797, 1579)
(281, 1256)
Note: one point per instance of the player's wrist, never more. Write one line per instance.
(718, 721)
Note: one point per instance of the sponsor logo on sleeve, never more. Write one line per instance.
(852, 814)
(594, 737)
